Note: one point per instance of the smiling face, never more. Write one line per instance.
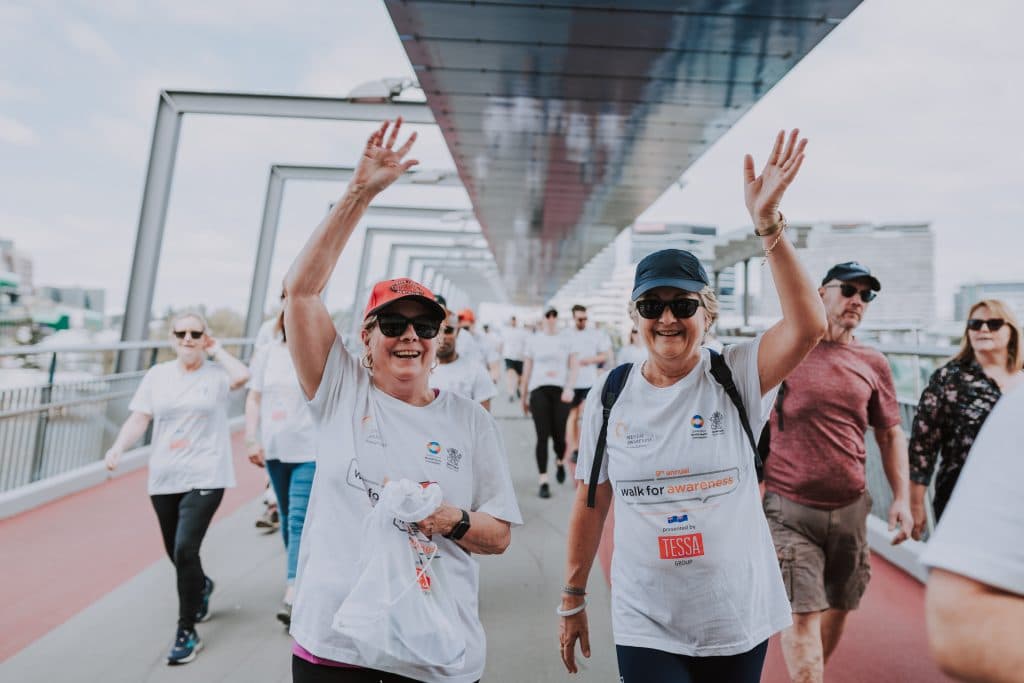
(188, 350)
(667, 337)
(985, 340)
(405, 357)
(844, 312)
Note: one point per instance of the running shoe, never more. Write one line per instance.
(575, 457)
(204, 608)
(186, 646)
(270, 521)
(284, 615)
(560, 473)
(545, 491)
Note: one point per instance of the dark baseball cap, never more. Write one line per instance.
(669, 268)
(851, 270)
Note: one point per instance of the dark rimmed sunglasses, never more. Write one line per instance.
(848, 290)
(993, 324)
(393, 325)
(194, 334)
(652, 309)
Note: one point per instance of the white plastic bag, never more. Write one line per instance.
(400, 611)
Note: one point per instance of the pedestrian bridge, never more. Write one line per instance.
(89, 592)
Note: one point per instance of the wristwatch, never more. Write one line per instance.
(460, 528)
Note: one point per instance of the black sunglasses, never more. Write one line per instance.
(393, 325)
(848, 290)
(653, 308)
(194, 334)
(993, 324)
(448, 329)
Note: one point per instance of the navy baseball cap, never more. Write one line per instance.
(669, 268)
(851, 270)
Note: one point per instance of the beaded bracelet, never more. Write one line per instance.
(573, 590)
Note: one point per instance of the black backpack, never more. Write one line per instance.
(613, 387)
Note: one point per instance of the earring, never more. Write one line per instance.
(366, 361)
(434, 366)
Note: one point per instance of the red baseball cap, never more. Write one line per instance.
(389, 291)
(466, 316)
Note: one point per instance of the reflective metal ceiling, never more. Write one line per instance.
(568, 119)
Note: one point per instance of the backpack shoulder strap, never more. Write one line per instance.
(723, 375)
(609, 395)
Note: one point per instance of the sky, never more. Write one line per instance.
(912, 109)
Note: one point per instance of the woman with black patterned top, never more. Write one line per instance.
(958, 400)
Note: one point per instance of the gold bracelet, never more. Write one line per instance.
(779, 226)
(775, 243)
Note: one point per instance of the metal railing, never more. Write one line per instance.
(61, 418)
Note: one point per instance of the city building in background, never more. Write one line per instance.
(901, 256)
(1010, 292)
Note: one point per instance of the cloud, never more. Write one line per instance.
(88, 41)
(14, 132)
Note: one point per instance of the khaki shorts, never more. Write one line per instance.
(823, 554)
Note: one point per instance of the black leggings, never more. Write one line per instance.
(307, 672)
(549, 418)
(644, 665)
(184, 519)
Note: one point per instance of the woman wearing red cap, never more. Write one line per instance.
(378, 420)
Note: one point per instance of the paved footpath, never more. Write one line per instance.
(89, 594)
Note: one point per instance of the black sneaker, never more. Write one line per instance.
(186, 646)
(575, 457)
(204, 607)
(545, 491)
(560, 474)
(284, 615)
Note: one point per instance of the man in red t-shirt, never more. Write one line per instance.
(816, 498)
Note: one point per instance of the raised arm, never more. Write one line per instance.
(238, 373)
(786, 343)
(310, 328)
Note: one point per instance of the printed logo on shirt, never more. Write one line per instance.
(373, 436)
(677, 519)
(434, 453)
(717, 423)
(454, 459)
(355, 479)
(697, 429)
(700, 487)
(637, 438)
(681, 547)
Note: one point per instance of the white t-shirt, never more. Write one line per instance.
(513, 340)
(981, 530)
(587, 343)
(550, 355)
(467, 346)
(694, 570)
(630, 353)
(365, 436)
(191, 446)
(492, 342)
(465, 377)
(286, 425)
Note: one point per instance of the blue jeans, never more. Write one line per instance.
(292, 482)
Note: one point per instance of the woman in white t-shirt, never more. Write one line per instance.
(696, 586)
(549, 375)
(190, 459)
(378, 420)
(280, 435)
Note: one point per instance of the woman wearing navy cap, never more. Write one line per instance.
(696, 586)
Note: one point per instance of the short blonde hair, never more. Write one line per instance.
(1014, 360)
(189, 314)
(707, 299)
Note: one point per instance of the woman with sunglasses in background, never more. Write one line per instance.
(190, 458)
(549, 375)
(633, 351)
(378, 420)
(280, 435)
(695, 580)
(958, 400)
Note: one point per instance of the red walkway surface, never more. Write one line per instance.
(884, 640)
(60, 558)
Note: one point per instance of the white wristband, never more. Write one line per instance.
(571, 611)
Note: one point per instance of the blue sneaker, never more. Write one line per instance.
(186, 646)
(204, 607)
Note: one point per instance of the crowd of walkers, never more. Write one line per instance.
(737, 478)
